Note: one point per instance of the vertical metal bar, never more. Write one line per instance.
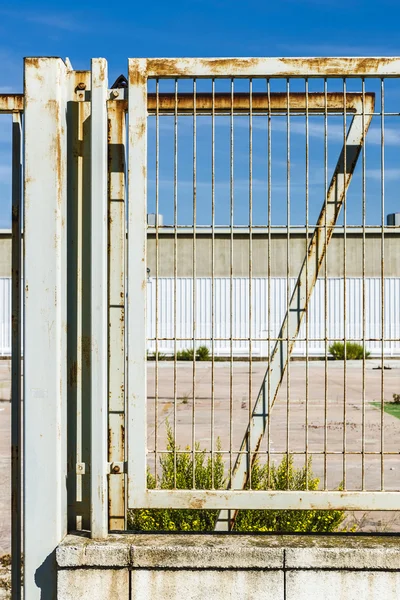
(116, 317)
(288, 333)
(44, 338)
(249, 449)
(137, 280)
(325, 234)
(382, 281)
(194, 283)
(363, 167)
(175, 259)
(344, 287)
(225, 522)
(269, 175)
(16, 409)
(307, 290)
(212, 437)
(231, 224)
(99, 307)
(84, 310)
(157, 280)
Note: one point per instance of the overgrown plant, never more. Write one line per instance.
(202, 353)
(209, 473)
(353, 351)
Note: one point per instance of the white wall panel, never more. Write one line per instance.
(5, 316)
(261, 327)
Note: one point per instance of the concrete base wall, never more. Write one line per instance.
(234, 567)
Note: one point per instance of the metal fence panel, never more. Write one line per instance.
(246, 316)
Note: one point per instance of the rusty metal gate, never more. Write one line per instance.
(250, 96)
(236, 153)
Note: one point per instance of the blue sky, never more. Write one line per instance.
(220, 28)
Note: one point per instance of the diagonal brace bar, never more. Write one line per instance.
(300, 298)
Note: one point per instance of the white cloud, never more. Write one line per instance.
(389, 174)
(67, 21)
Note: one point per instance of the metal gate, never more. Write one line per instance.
(355, 110)
(96, 161)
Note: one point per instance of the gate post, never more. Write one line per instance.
(99, 304)
(45, 498)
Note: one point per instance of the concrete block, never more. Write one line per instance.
(205, 552)
(343, 585)
(90, 584)
(343, 558)
(198, 585)
(77, 551)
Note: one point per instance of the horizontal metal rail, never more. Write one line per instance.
(271, 500)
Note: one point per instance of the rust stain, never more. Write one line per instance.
(73, 374)
(35, 62)
(53, 108)
(276, 102)
(196, 503)
(86, 350)
(102, 73)
(11, 103)
(136, 77)
(141, 128)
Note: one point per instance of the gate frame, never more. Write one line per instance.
(50, 86)
(140, 70)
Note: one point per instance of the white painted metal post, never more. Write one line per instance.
(45, 507)
(137, 280)
(99, 306)
(16, 420)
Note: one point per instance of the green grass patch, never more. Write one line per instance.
(389, 407)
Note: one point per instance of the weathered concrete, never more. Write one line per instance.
(198, 585)
(101, 585)
(343, 585)
(231, 567)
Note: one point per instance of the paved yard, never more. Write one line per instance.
(333, 411)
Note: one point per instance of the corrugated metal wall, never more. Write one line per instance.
(240, 313)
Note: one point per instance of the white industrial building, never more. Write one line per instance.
(221, 269)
